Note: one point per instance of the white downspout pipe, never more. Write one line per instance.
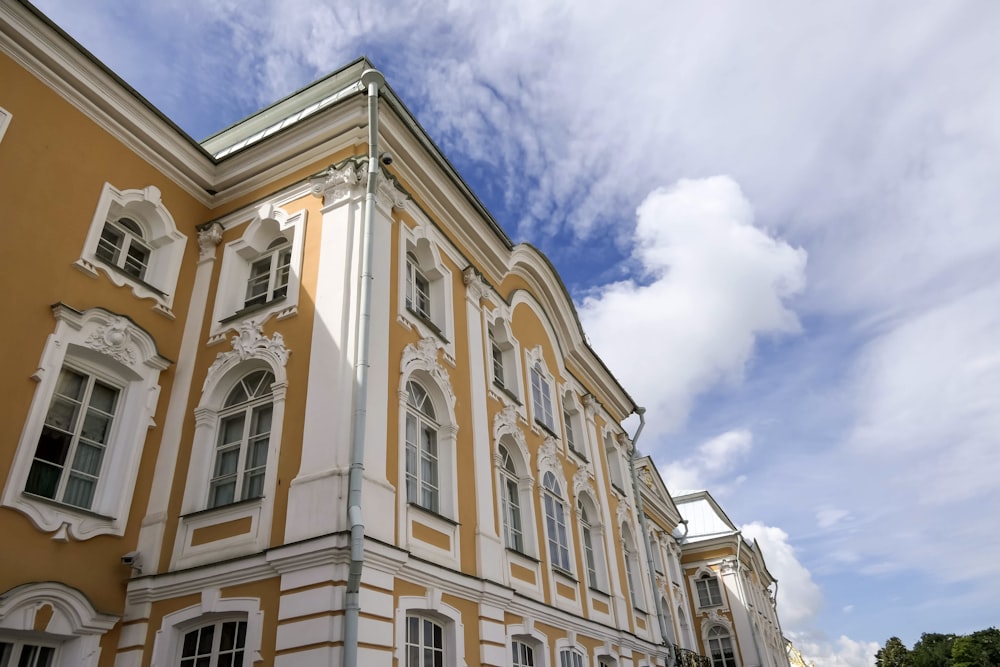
(372, 80)
(650, 565)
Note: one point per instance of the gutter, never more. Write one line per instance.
(650, 566)
(373, 81)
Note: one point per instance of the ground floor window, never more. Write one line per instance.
(20, 654)
(220, 644)
(424, 642)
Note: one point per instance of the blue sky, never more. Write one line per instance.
(794, 205)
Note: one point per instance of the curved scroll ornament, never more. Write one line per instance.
(583, 481)
(423, 356)
(250, 343)
(336, 183)
(112, 339)
(505, 424)
(548, 457)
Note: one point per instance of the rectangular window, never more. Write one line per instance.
(522, 655)
(709, 594)
(570, 436)
(497, 354)
(541, 398)
(424, 643)
(25, 655)
(76, 433)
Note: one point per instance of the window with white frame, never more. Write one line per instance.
(122, 246)
(503, 358)
(570, 658)
(522, 654)
(573, 426)
(25, 654)
(631, 568)
(424, 286)
(83, 437)
(422, 487)
(269, 274)
(541, 396)
(510, 500)
(720, 647)
(593, 542)
(424, 642)
(655, 546)
(244, 439)
(260, 274)
(614, 462)
(709, 594)
(218, 644)
(555, 522)
(133, 239)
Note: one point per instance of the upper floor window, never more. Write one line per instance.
(261, 270)
(122, 246)
(541, 396)
(593, 542)
(220, 644)
(425, 294)
(134, 241)
(510, 499)
(555, 522)
(77, 430)
(83, 436)
(269, 275)
(720, 647)
(614, 463)
(631, 567)
(709, 594)
(244, 437)
(422, 486)
(424, 642)
(418, 288)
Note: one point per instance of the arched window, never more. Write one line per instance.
(555, 522)
(631, 568)
(720, 647)
(418, 288)
(541, 397)
(593, 542)
(665, 607)
(122, 246)
(522, 654)
(510, 500)
(424, 642)
(709, 594)
(268, 278)
(422, 486)
(244, 436)
(570, 658)
(219, 644)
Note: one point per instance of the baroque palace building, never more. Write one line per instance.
(290, 396)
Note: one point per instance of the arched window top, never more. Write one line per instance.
(717, 631)
(250, 387)
(582, 507)
(550, 483)
(277, 243)
(132, 226)
(506, 462)
(418, 399)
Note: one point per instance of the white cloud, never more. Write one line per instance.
(715, 283)
(709, 464)
(843, 652)
(827, 517)
(799, 598)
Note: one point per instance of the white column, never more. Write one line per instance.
(489, 548)
(154, 524)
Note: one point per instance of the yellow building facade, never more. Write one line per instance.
(290, 396)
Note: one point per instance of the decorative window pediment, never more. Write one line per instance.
(133, 241)
(82, 442)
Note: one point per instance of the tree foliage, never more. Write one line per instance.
(978, 649)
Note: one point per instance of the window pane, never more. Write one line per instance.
(231, 430)
(62, 414)
(88, 459)
(96, 427)
(103, 398)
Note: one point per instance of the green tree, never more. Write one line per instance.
(893, 654)
(933, 650)
(980, 649)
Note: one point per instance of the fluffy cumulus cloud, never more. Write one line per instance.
(799, 597)
(863, 133)
(710, 465)
(841, 652)
(710, 283)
